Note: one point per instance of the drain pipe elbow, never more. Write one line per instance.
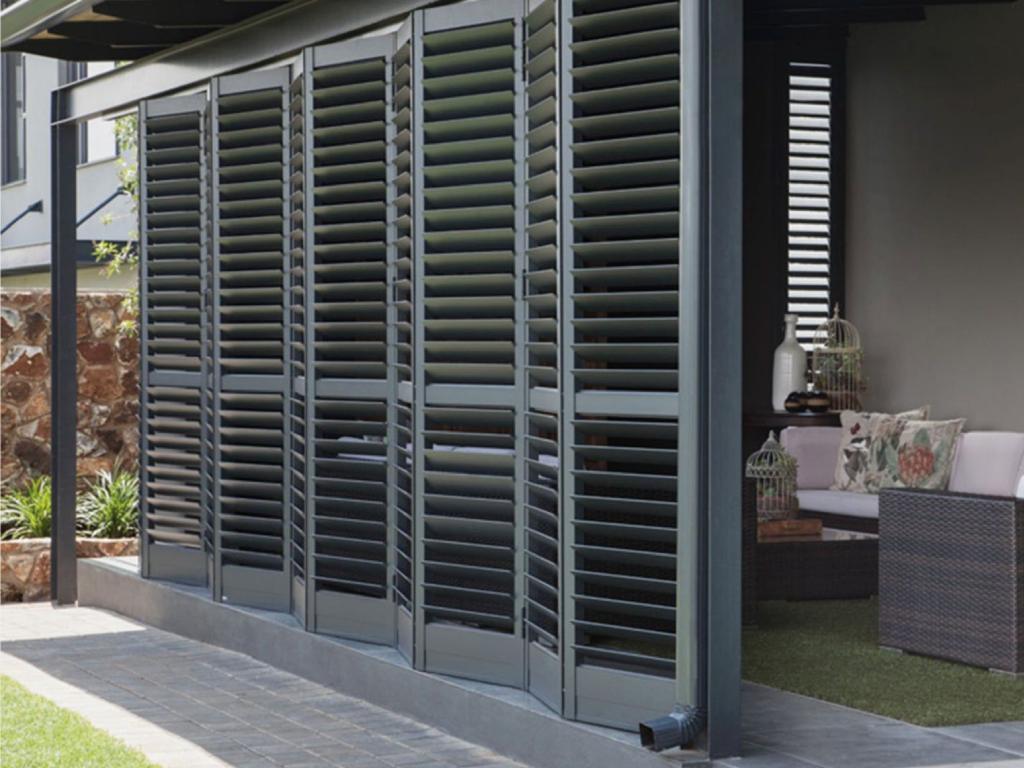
(678, 729)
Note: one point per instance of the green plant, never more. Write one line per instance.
(109, 509)
(125, 256)
(26, 513)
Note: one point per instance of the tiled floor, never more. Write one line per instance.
(165, 694)
(784, 730)
(190, 704)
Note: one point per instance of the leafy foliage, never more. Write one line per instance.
(26, 512)
(109, 508)
(119, 257)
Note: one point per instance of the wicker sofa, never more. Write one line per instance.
(951, 563)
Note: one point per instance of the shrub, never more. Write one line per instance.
(109, 508)
(26, 513)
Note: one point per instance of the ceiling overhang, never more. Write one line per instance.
(119, 30)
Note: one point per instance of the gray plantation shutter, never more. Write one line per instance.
(623, 221)
(467, 246)
(172, 172)
(251, 155)
(541, 497)
(810, 169)
(348, 446)
(300, 278)
(403, 350)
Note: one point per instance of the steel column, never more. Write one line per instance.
(723, 218)
(63, 362)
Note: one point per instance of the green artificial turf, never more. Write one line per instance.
(34, 733)
(829, 650)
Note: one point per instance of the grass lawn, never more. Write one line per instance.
(829, 650)
(35, 732)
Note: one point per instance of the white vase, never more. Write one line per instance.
(790, 374)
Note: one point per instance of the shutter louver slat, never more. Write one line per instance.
(624, 314)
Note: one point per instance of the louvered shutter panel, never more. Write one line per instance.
(172, 173)
(810, 184)
(402, 342)
(623, 222)
(542, 540)
(251, 156)
(470, 212)
(300, 282)
(349, 206)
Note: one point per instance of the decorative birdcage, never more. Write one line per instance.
(774, 469)
(837, 363)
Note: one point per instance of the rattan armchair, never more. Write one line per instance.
(951, 577)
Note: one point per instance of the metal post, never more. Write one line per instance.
(63, 373)
(723, 218)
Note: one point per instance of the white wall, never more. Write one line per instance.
(935, 207)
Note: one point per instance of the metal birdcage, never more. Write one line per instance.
(837, 363)
(774, 469)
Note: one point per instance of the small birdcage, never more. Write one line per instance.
(775, 472)
(837, 363)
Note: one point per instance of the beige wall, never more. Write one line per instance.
(935, 232)
(90, 280)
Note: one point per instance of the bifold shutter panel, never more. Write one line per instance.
(624, 224)
(541, 497)
(402, 300)
(172, 172)
(349, 202)
(809, 237)
(299, 280)
(251, 155)
(470, 210)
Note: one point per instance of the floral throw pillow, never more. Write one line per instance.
(854, 460)
(913, 454)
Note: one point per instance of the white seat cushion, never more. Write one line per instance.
(839, 503)
(988, 463)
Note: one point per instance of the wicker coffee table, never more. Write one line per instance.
(837, 565)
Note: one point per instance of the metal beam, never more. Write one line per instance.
(723, 308)
(266, 38)
(26, 19)
(63, 373)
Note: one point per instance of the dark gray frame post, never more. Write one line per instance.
(63, 357)
(722, 37)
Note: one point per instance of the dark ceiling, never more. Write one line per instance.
(120, 30)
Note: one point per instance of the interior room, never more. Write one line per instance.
(884, 180)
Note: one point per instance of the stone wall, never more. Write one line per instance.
(108, 386)
(25, 564)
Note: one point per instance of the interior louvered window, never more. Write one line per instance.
(541, 498)
(403, 303)
(810, 181)
(349, 186)
(251, 152)
(625, 250)
(172, 154)
(299, 282)
(471, 226)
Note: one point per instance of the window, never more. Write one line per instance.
(813, 184)
(96, 138)
(13, 117)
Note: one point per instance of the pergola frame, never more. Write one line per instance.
(711, 347)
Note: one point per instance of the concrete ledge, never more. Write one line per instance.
(505, 720)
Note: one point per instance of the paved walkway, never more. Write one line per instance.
(191, 705)
(186, 704)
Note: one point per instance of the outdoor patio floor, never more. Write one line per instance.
(198, 704)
